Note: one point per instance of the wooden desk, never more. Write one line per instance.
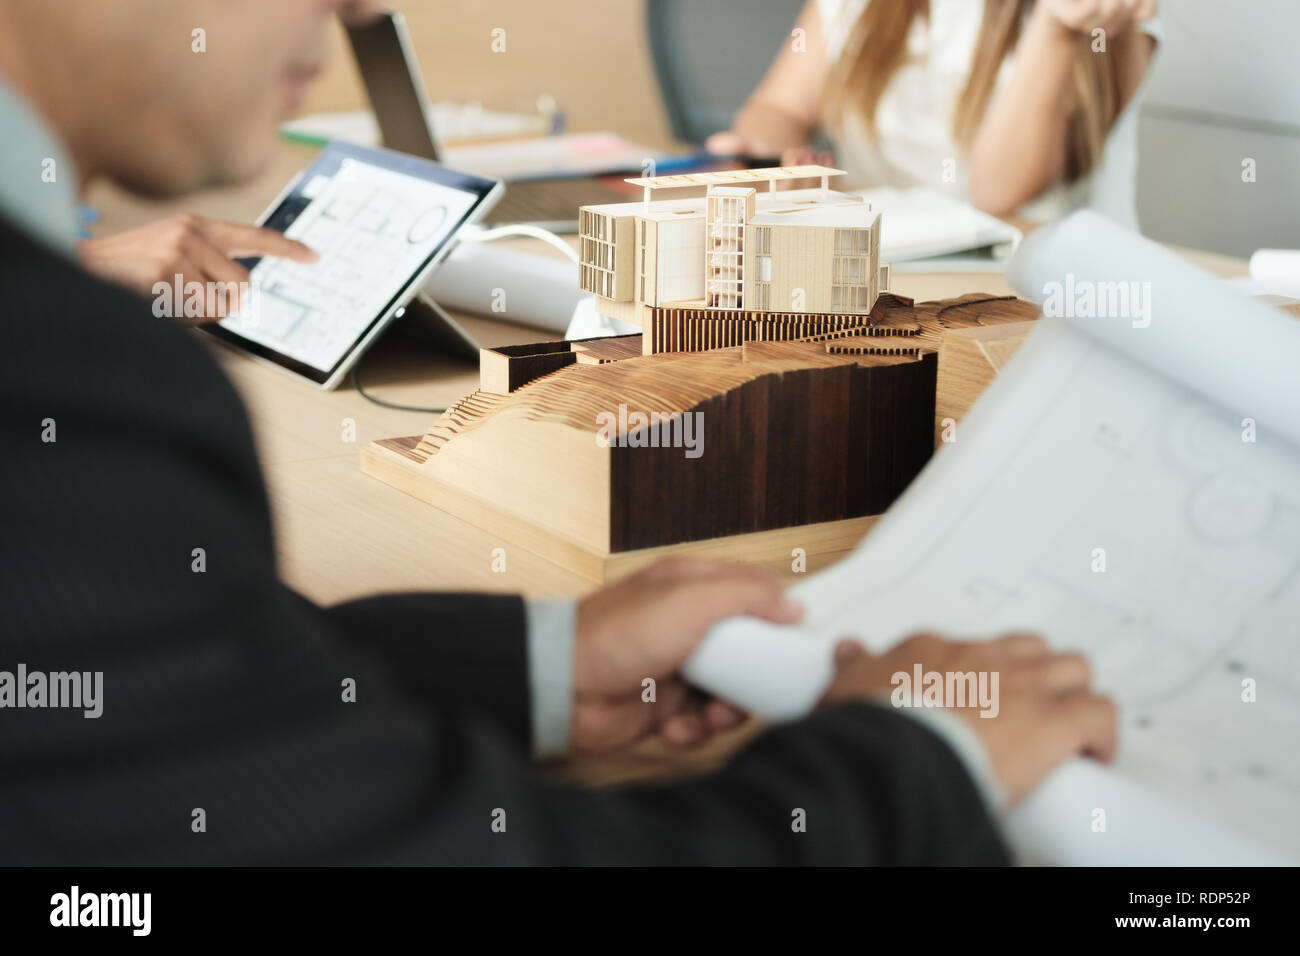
(340, 534)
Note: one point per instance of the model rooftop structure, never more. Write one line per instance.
(767, 174)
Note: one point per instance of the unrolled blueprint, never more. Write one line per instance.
(1130, 488)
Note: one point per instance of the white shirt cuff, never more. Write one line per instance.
(964, 742)
(552, 626)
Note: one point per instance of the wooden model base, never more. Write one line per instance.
(594, 455)
(390, 461)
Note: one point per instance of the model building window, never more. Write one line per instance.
(597, 282)
(849, 270)
(852, 242)
(850, 298)
(764, 267)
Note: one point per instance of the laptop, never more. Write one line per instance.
(388, 66)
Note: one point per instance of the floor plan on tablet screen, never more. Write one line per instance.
(373, 228)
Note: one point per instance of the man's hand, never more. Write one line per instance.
(1046, 710)
(193, 247)
(645, 626)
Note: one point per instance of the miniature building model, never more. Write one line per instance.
(700, 272)
(778, 397)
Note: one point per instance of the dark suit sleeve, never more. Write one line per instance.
(243, 724)
(466, 651)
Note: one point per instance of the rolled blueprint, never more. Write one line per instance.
(1275, 265)
(1151, 304)
(506, 284)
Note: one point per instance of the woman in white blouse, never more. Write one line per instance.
(1022, 107)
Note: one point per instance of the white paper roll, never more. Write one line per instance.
(506, 284)
(1275, 265)
(1179, 320)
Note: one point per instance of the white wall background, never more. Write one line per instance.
(1225, 87)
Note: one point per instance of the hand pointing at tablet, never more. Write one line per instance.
(193, 247)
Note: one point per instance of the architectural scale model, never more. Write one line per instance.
(719, 268)
(778, 397)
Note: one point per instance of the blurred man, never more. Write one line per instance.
(240, 723)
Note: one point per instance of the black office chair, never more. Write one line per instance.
(710, 54)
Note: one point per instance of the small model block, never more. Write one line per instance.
(502, 370)
(970, 358)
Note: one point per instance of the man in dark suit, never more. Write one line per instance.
(236, 721)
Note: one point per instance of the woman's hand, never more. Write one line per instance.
(1084, 16)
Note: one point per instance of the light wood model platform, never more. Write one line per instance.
(801, 443)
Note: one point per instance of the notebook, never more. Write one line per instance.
(926, 231)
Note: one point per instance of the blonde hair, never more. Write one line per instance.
(877, 46)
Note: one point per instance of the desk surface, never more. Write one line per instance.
(341, 534)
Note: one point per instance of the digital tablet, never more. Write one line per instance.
(381, 221)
